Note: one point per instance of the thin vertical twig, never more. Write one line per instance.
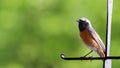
(107, 63)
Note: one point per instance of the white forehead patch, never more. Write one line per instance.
(85, 19)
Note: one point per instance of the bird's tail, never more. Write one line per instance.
(101, 53)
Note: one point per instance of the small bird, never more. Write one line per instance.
(90, 37)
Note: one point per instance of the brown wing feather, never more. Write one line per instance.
(97, 38)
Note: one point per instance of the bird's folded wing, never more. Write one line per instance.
(96, 37)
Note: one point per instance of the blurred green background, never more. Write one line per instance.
(33, 33)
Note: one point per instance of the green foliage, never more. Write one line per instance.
(33, 33)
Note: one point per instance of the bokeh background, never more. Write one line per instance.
(33, 33)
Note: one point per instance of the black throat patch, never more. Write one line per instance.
(82, 27)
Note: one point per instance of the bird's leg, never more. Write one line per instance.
(88, 53)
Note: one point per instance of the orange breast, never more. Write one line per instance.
(87, 38)
(91, 43)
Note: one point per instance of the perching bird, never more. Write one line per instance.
(90, 37)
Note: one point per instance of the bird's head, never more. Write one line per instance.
(83, 23)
